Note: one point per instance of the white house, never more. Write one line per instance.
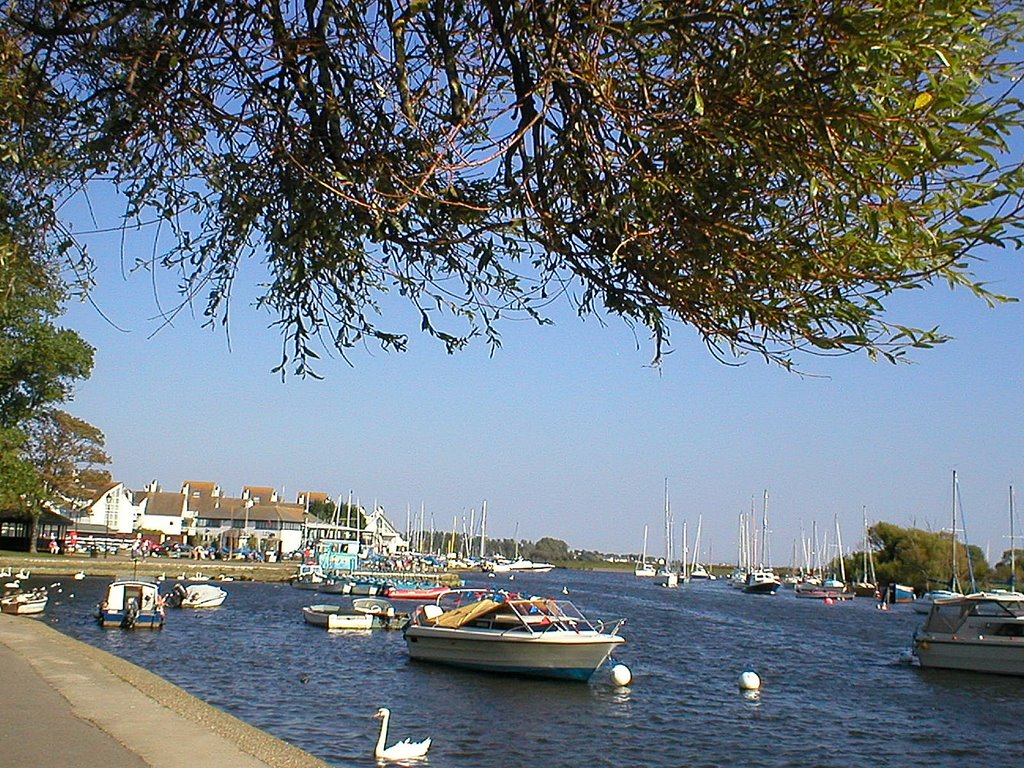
(161, 512)
(111, 509)
(382, 532)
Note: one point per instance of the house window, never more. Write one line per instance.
(110, 512)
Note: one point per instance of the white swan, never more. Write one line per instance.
(403, 750)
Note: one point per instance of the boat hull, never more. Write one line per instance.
(563, 656)
(145, 620)
(30, 607)
(415, 593)
(899, 593)
(669, 579)
(997, 656)
(335, 617)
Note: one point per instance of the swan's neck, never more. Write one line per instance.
(383, 733)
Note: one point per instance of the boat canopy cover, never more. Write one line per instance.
(459, 617)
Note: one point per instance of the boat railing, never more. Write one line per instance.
(540, 615)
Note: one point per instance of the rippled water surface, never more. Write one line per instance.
(834, 692)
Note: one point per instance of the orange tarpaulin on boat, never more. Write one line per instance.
(461, 616)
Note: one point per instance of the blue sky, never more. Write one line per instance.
(567, 431)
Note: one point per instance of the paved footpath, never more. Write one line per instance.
(66, 704)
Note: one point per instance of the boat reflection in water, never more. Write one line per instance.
(496, 632)
(981, 632)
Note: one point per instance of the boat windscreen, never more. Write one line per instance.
(944, 618)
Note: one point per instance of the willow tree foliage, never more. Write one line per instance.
(924, 559)
(768, 172)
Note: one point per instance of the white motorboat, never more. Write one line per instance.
(980, 632)
(923, 604)
(196, 596)
(132, 604)
(25, 603)
(366, 613)
(493, 632)
(530, 566)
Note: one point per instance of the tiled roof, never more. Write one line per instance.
(165, 504)
(235, 509)
(202, 505)
(97, 493)
(258, 492)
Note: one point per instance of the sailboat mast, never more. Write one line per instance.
(765, 554)
(839, 550)
(668, 528)
(1013, 554)
(685, 571)
(864, 554)
(696, 543)
(483, 530)
(954, 582)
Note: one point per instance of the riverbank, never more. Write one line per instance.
(180, 569)
(123, 565)
(71, 705)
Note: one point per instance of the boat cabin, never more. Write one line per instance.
(132, 603)
(978, 615)
(529, 615)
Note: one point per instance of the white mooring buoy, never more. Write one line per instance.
(749, 681)
(621, 675)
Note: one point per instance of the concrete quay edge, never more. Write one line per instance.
(67, 703)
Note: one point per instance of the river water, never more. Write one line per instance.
(834, 690)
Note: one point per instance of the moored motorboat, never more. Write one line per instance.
(415, 592)
(923, 604)
(25, 603)
(308, 576)
(196, 596)
(530, 566)
(762, 581)
(980, 632)
(493, 632)
(827, 589)
(366, 614)
(899, 593)
(132, 604)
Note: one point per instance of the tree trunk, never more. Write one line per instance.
(33, 533)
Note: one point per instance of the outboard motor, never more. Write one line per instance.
(131, 613)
